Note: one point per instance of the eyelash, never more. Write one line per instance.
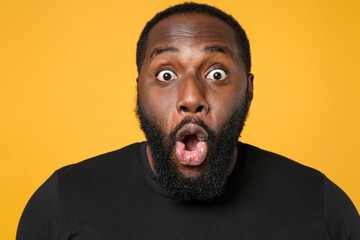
(157, 75)
(167, 68)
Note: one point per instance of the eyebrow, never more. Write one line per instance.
(161, 50)
(213, 48)
(218, 48)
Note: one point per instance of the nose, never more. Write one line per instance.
(191, 97)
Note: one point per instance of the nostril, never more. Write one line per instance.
(199, 108)
(185, 109)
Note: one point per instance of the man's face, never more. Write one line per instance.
(193, 97)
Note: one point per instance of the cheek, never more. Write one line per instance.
(224, 104)
(159, 106)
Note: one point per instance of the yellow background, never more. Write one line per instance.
(67, 86)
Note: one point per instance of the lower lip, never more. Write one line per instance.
(191, 158)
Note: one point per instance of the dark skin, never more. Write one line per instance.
(192, 68)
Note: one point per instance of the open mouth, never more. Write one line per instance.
(191, 147)
(190, 141)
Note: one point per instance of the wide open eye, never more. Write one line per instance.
(216, 75)
(166, 75)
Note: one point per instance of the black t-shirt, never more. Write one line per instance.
(116, 196)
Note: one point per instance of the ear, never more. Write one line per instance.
(250, 87)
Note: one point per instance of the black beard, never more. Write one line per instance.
(211, 184)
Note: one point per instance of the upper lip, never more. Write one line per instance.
(191, 128)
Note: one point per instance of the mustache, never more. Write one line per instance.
(189, 119)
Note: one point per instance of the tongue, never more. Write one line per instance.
(192, 154)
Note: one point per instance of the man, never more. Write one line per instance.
(192, 179)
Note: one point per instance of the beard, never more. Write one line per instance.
(211, 183)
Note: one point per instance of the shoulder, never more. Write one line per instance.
(89, 176)
(75, 185)
(117, 166)
(270, 164)
(107, 160)
(303, 191)
(116, 161)
(343, 221)
(281, 179)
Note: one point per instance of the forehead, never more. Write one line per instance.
(189, 29)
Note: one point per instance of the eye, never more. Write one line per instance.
(166, 75)
(217, 75)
